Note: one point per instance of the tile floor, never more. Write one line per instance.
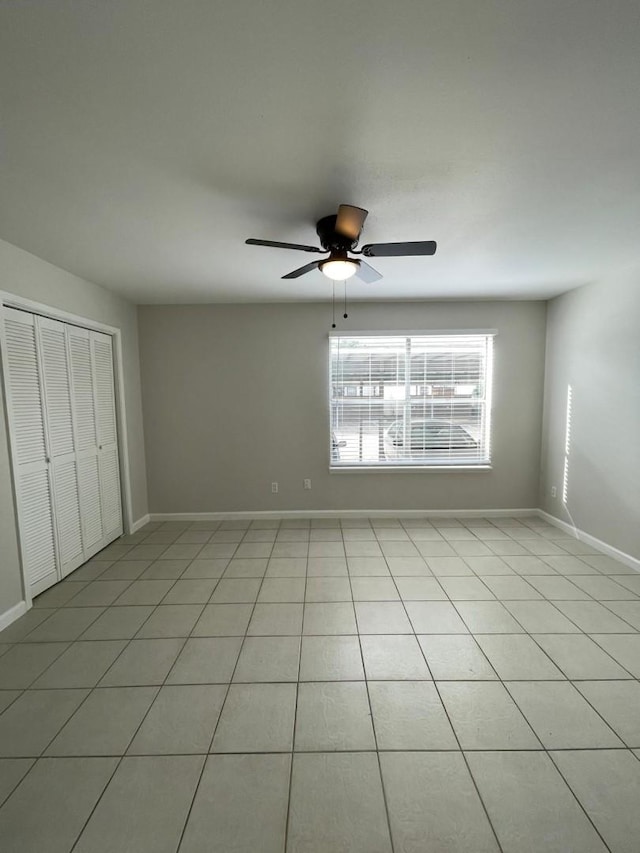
(454, 686)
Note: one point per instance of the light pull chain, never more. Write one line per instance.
(333, 303)
(333, 307)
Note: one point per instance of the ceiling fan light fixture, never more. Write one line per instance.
(339, 270)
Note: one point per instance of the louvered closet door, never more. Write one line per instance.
(86, 436)
(108, 464)
(30, 449)
(62, 443)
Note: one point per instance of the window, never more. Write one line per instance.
(414, 400)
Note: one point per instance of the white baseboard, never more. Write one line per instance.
(343, 513)
(136, 525)
(609, 550)
(12, 614)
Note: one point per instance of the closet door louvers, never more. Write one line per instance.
(86, 429)
(34, 498)
(59, 381)
(62, 444)
(109, 469)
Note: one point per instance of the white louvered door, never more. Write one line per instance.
(108, 464)
(34, 499)
(86, 428)
(62, 444)
(59, 380)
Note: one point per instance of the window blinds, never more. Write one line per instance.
(416, 400)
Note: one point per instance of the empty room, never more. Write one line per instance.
(319, 426)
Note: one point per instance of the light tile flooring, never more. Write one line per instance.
(454, 686)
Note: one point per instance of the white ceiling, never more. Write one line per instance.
(143, 140)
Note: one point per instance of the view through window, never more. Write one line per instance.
(410, 399)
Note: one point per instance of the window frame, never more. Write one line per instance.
(485, 464)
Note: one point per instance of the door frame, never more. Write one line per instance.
(12, 300)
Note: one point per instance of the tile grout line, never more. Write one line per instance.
(363, 750)
(602, 648)
(455, 734)
(577, 799)
(90, 691)
(570, 680)
(544, 748)
(124, 754)
(328, 680)
(10, 791)
(567, 680)
(133, 736)
(373, 725)
(505, 683)
(222, 706)
(122, 757)
(295, 712)
(69, 645)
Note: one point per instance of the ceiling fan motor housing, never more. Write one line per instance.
(330, 239)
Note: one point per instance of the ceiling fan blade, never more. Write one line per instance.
(302, 270)
(367, 273)
(350, 220)
(252, 242)
(399, 250)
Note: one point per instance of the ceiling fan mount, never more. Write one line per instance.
(332, 240)
(339, 234)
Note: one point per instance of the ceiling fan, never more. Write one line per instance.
(339, 235)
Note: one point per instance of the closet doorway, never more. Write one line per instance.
(60, 395)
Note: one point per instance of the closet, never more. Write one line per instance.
(60, 399)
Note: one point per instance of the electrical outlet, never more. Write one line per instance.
(554, 492)
(274, 488)
(307, 484)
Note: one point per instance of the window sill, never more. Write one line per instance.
(381, 469)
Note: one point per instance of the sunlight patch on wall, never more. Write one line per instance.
(567, 446)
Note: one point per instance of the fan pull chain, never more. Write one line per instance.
(333, 307)
(345, 315)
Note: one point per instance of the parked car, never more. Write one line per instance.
(430, 436)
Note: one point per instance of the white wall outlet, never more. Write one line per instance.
(554, 492)
(274, 488)
(307, 484)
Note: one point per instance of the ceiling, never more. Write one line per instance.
(143, 140)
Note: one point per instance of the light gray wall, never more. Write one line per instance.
(593, 344)
(236, 396)
(25, 275)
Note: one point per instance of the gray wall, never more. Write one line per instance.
(236, 396)
(25, 275)
(593, 344)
